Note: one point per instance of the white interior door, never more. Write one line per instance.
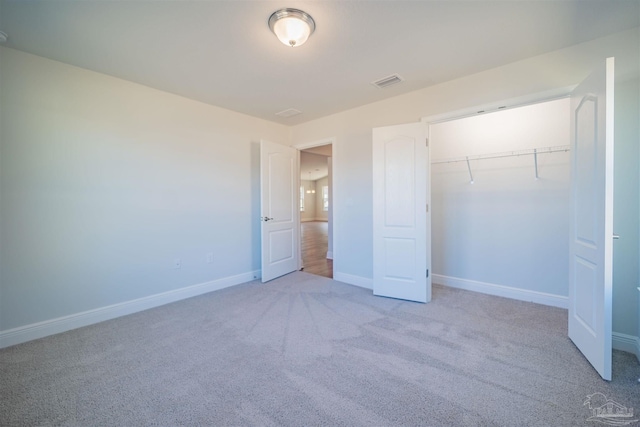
(401, 221)
(279, 209)
(591, 229)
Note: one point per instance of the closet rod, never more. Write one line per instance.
(532, 151)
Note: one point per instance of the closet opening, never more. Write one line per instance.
(500, 197)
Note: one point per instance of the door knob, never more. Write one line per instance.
(266, 218)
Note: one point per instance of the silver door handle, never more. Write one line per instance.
(266, 218)
(616, 237)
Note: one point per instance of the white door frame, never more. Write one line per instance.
(521, 101)
(512, 103)
(303, 146)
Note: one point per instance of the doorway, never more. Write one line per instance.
(316, 210)
(500, 202)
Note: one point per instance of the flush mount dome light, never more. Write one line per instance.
(292, 26)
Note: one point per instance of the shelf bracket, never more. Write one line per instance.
(469, 168)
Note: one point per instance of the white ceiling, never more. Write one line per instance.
(222, 52)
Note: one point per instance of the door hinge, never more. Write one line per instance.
(427, 207)
(427, 141)
(427, 273)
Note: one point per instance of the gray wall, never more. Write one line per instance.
(626, 215)
(104, 183)
(321, 214)
(309, 213)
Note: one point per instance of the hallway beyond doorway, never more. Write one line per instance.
(314, 248)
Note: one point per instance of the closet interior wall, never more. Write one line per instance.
(494, 223)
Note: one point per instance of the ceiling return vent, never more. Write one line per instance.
(387, 81)
(289, 113)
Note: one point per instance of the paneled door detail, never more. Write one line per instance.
(279, 209)
(591, 225)
(401, 221)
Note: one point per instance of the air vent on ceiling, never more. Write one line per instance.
(289, 113)
(387, 81)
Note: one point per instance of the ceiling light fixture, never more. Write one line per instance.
(292, 26)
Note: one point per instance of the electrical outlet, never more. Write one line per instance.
(210, 258)
(177, 263)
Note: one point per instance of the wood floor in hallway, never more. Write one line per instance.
(314, 249)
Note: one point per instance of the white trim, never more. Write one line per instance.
(298, 227)
(329, 254)
(350, 279)
(335, 178)
(627, 343)
(325, 141)
(307, 220)
(62, 324)
(321, 219)
(521, 101)
(503, 291)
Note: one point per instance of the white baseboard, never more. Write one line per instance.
(503, 291)
(307, 220)
(350, 279)
(627, 343)
(62, 324)
(329, 254)
(321, 219)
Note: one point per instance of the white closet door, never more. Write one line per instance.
(401, 226)
(591, 225)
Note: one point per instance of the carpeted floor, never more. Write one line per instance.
(306, 351)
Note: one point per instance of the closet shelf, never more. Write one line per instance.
(531, 151)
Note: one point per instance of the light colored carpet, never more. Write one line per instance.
(307, 351)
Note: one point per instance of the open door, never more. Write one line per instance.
(591, 225)
(401, 218)
(279, 209)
